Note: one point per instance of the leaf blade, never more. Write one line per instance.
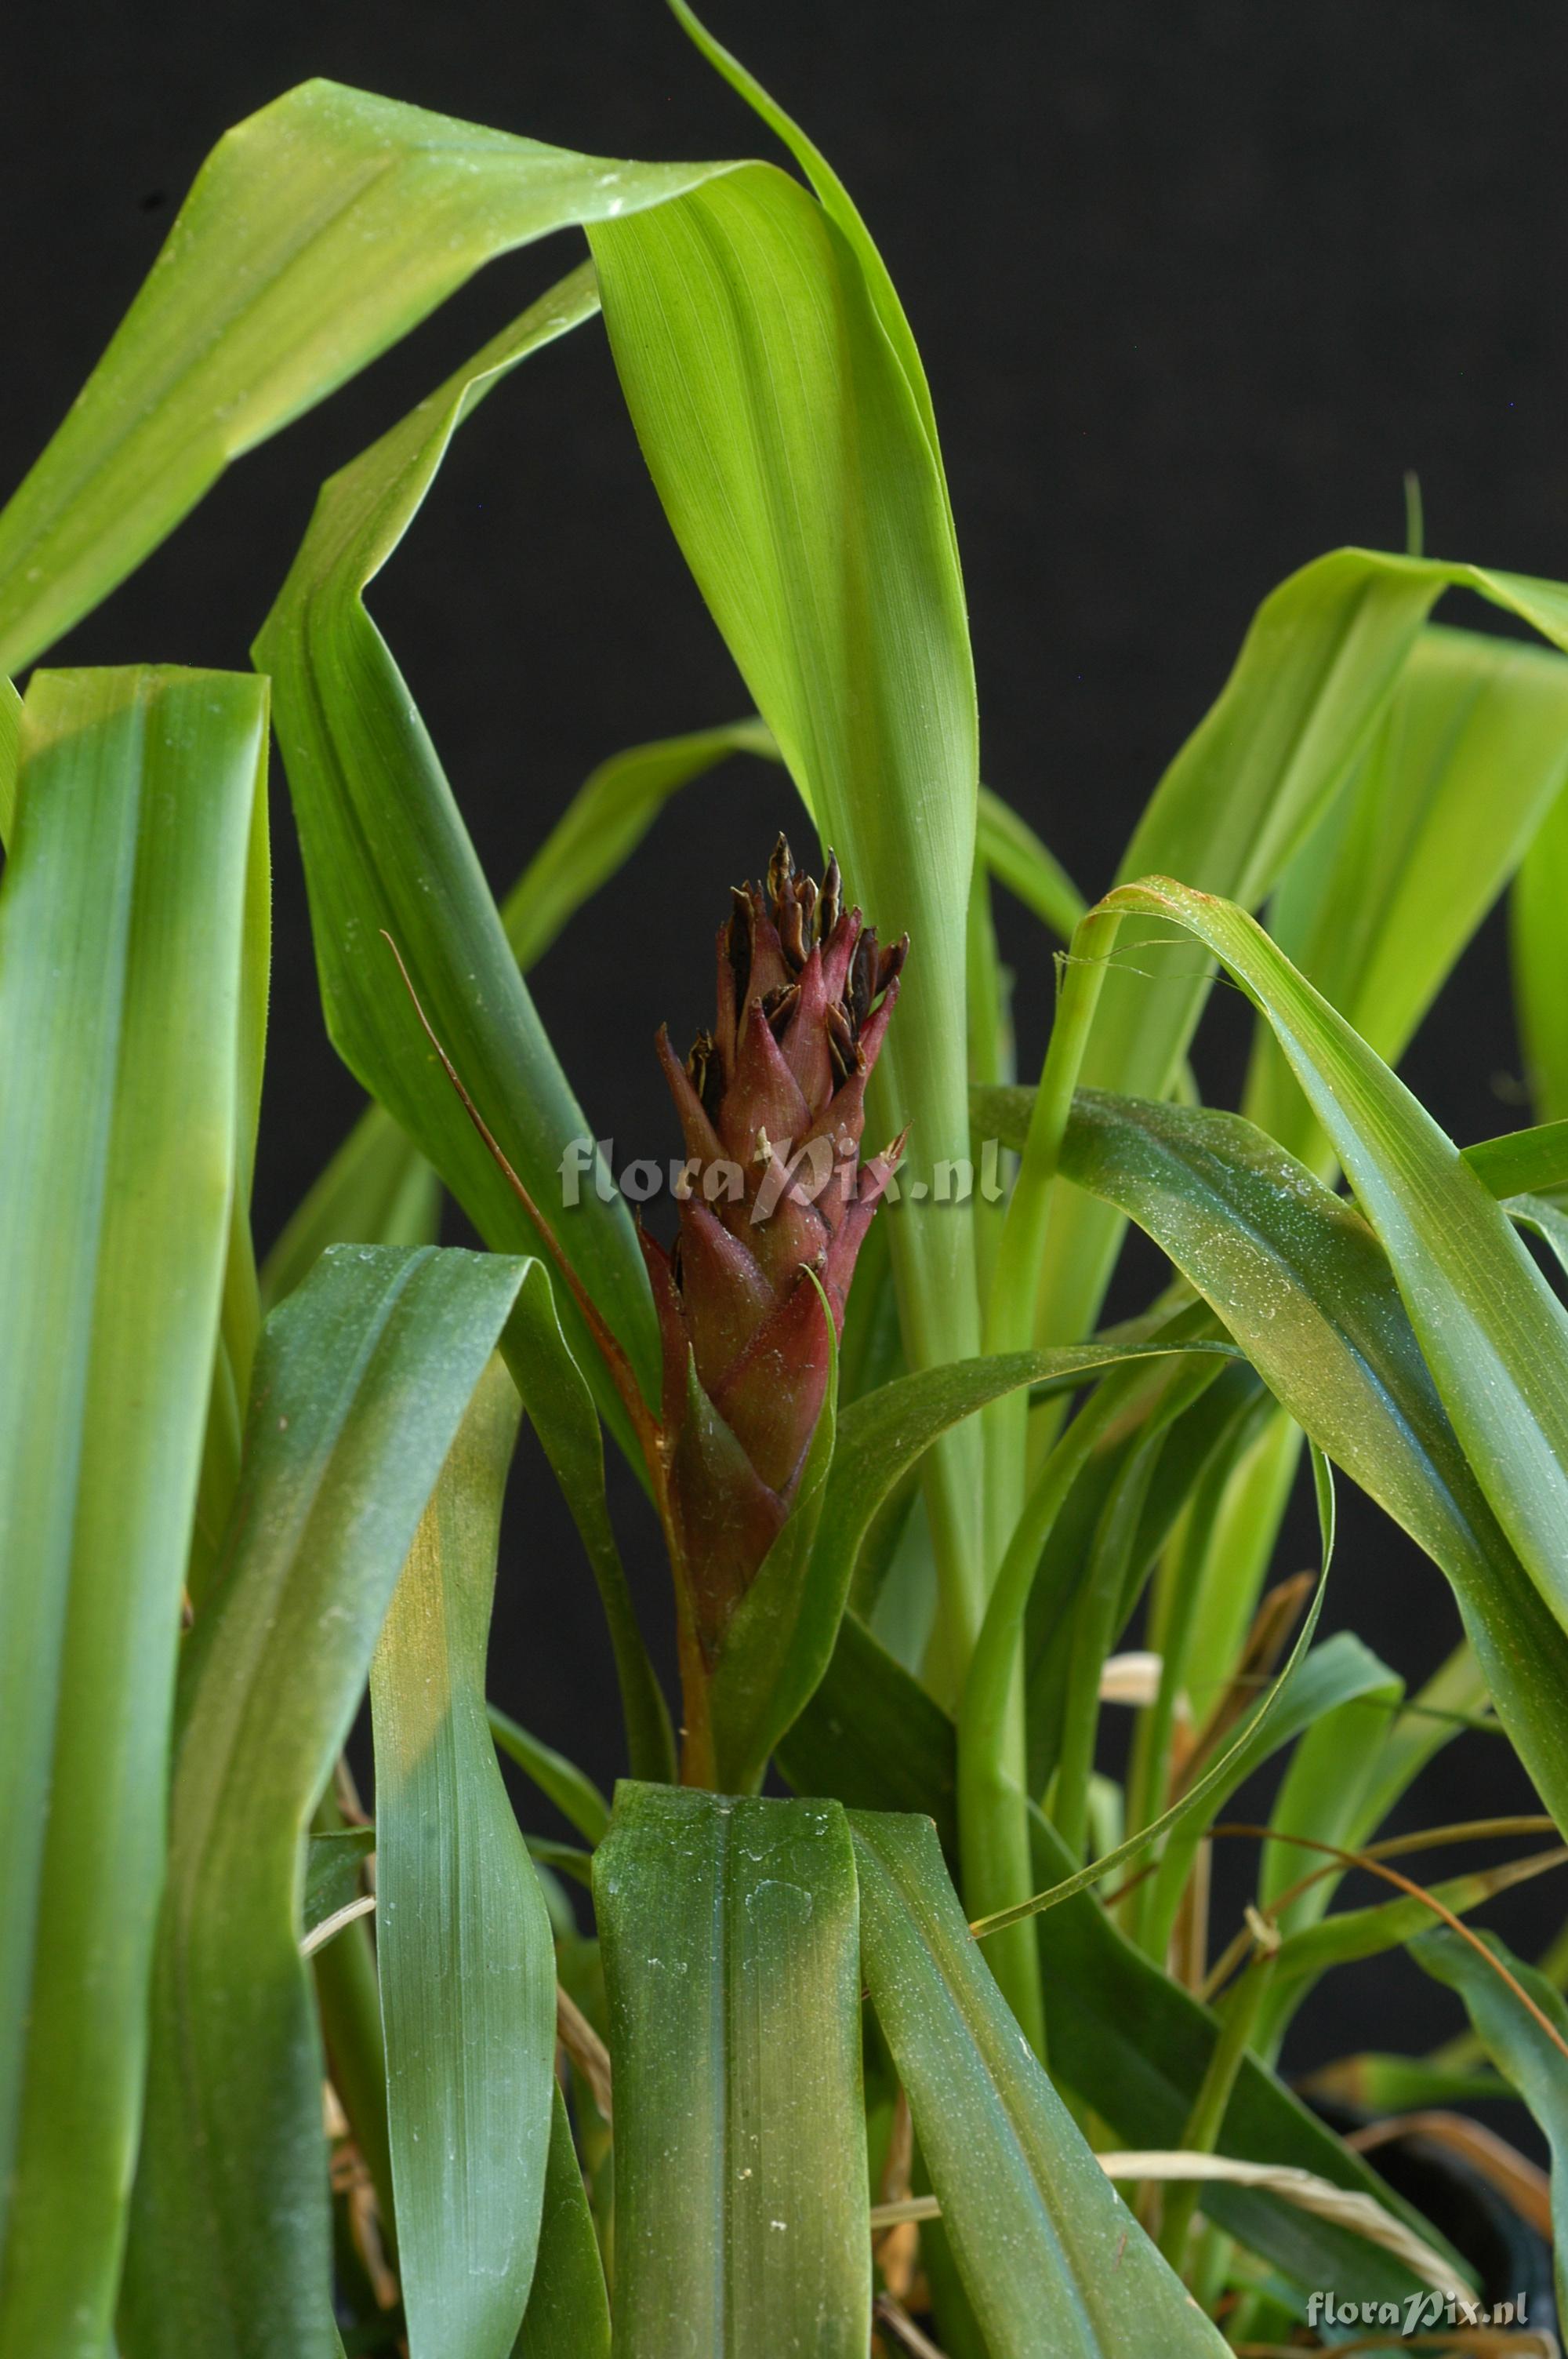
(1139, 2043)
(317, 232)
(1032, 2218)
(771, 380)
(1492, 1331)
(465, 1950)
(361, 1382)
(729, 1932)
(120, 1018)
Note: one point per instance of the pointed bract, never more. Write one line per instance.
(770, 1104)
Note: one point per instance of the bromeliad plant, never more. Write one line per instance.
(768, 2082)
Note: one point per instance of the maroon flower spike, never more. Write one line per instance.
(773, 1205)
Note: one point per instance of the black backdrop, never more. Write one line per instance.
(1193, 285)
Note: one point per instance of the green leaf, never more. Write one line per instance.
(385, 850)
(333, 1862)
(318, 233)
(1541, 964)
(240, 1323)
(121, 918)
(361, 1382)
(1315, 672)
(992, 1808)
(1138, 2043)
(1182, 1812)
(1051, 2260)
(1518, 2044)
(467, 1961)
(569, 2311)
(1302, 1283)
(1492, 1333)
(378, 1189)
(730, 1962)
(560, 1407)
(574, 1794)
(884, 1433)
(775, 387)
(1453, 1699)
(1467, 759)
(1355, 1933)
(1516, 1162)
(1194, 1475)
(1324, 1790)
(1548, 1222)
(1522, 1162)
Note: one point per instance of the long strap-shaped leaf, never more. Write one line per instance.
(120, 1004)
(1301, 1284)
(467, 1961)
(773, 381)
(240, 1326)
(378, 1186)
(1137, 2043)
(1053, 2264)
(1316, 670)
(385, 851)
(318, 233)
(1378, 906)
(361, 1383)
(731, 1965)
(1494, 1334)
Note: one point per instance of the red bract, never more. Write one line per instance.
(774, 1204)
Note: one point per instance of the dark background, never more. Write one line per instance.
(1193, 285)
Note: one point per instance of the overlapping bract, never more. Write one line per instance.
(775, 1202)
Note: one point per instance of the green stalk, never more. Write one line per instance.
(1095, 1622)
(992, 1800)
(1201, 2135)
(1177, 1599)
(1238, 1547)
(991, 1060)
(993, 1806)
(1021, 1250)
